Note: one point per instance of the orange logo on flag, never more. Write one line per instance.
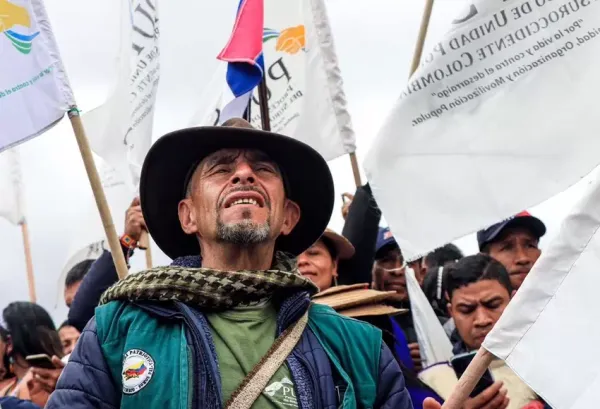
(290, 40)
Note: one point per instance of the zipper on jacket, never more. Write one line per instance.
(198, 358)
(315, 380)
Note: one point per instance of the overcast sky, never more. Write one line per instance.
(374, 40)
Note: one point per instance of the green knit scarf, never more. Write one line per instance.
(208, 288)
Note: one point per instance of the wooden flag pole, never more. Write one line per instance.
(355, 170)
(144, 244)
(469, 379)
(28, 261)
(263, 101)
(94, 178)
(422, 35)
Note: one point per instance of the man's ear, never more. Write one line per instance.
(187, 216)
(291, 214)
(449, 308)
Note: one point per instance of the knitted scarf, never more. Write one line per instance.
(208, 288)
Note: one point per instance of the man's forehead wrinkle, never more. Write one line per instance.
(228, 156)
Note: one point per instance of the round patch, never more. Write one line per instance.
(138, 368)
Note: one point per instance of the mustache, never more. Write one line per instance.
(245, 189)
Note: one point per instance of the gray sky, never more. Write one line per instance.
(374, 40)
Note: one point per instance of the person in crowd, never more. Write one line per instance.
(515, 244)
(102, 273)
(32, 332)
(68, 337)
(434, 264)
(389, 275)
(74, 279)
(361, 227)
(4, 363)
(229, 204)
(319, 263)
(16, 403)
(479, 289)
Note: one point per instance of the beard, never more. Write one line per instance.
(245, 232)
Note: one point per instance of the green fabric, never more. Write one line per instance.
(211, 289)
(242, 337)
(356, 362)
(122, 328)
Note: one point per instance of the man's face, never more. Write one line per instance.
(317, 265)
(517, 249)
(476, 308)
(3, 368)
(68, 337)
(70, 292)
(389, 273)
(237, 196)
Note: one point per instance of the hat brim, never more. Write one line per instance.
(531, 223)
(171, 158)
(345, 249)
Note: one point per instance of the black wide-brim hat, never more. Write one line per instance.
(170, 160)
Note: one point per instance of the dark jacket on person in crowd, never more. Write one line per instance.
(100, 277)
(15, 403)
(87, 382)
(361, 228)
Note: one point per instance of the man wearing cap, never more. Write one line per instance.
(514, 243)
(229, 323)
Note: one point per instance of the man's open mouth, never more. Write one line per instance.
(244, 198)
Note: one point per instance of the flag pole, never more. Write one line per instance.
(469, 379)
(144, 244)
(94, 178)
(28, 261)
(422, 35)
(263, 101)
(355, 170)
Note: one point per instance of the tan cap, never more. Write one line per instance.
(344, 248)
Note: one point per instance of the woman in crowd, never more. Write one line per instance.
(32, 332)
(320, 262)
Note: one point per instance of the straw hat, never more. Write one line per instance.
(357, 301)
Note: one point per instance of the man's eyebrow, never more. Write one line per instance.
(492, 300)
(466, 304)
(220, 159)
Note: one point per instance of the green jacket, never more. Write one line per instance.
(150, 357)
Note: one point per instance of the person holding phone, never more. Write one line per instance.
(478, 290)
(33, 349)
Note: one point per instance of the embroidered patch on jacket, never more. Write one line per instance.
(138, 368)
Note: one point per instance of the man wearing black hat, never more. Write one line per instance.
(229, 323)
(514, 243)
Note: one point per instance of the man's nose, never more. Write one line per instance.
(482, 318)
(522, 257)
(244, 174)
(302, 260)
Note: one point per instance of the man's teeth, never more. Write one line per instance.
(245, 201)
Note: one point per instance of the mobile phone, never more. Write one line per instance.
(40, 361)
(461, 362)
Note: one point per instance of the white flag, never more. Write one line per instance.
(500, 117)
(550, 332)
(120, 130)
(434, 345)
(306, 97)
(34, 91)
(11, 207)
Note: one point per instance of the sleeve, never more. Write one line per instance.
(361, 228)
(86, 381)
(101, 276)
(391, 388)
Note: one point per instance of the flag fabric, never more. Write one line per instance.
(11, 200)
(306, 98)
(120, 130)
(499, 117)
(434, 345)
(550, 332)
(244, 56)
(34, 90)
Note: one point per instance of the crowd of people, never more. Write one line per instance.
(230, 323)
